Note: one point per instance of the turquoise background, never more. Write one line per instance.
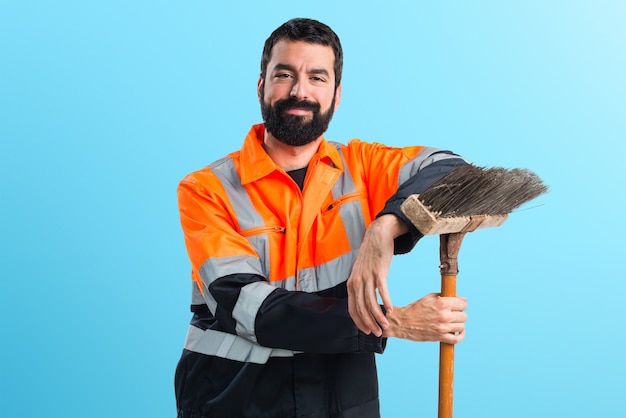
(106, 105)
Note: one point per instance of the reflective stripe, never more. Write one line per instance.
(315, 279)
(426, 157)
(353, 222)
(306, 280)
(231, 347)
(344, 184)
(351, 212)
(335, 271)
(247, 217)
(261, 245)
(250, 299)
(327, 275)
(217, 267)
(288, 284)
(196, 295)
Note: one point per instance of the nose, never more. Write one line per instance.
(299, 90)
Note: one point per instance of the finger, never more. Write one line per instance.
(456, 334)
(372, 313)
(375, 309)
(377, 318)
(458, 317)
(386, 298)
(372, 324)
(360, 318)
(454, 303)
(453, 338)
(354, 307)
(459, 303)
(366, 323)
(356, 317)
(456, 328)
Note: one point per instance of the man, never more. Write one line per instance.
(289, 239)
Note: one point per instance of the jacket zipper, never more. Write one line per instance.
(262, 230)
(342, 200)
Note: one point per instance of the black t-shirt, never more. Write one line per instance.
(298, 176)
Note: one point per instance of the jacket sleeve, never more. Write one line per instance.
(241, 299)
(422, 177)
(286, 319)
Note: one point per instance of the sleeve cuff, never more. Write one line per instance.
(404, 243)
(371, 343)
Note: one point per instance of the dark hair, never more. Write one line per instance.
(307, 30)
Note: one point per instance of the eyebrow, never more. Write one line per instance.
(281, 67)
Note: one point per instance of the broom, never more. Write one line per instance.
(467, 198)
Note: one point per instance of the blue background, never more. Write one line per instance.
(106, 105)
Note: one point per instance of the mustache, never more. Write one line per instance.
(293, 103)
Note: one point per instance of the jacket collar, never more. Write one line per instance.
(255, 163)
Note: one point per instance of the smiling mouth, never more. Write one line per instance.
(298, 111)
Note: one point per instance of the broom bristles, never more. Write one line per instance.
(470, 190)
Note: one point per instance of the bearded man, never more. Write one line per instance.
(290, 238)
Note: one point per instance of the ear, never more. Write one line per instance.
(258, 88)
(337, 97)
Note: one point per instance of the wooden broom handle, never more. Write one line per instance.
(449, 247)
(446, 359)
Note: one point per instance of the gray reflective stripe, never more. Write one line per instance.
(261, 245)
(239, 199)
(351, 212)
(335, 271)
(210, 301)
(344, 184)
(426, 157)
(217, 267)
(247, 216)
(288, 284)
(196, 295)
(250, 299)
(353, 222)
(327, 275)
(231, 347)
(306, 280)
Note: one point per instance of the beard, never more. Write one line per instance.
(295, 130)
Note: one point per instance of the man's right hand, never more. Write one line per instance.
(431, 318)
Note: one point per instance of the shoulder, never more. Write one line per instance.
(212, 173)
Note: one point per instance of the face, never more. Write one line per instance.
(298, 96)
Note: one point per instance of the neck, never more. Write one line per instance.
(289, 157)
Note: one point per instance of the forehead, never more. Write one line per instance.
(302, 55)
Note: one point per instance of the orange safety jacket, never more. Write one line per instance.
(271, 335)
